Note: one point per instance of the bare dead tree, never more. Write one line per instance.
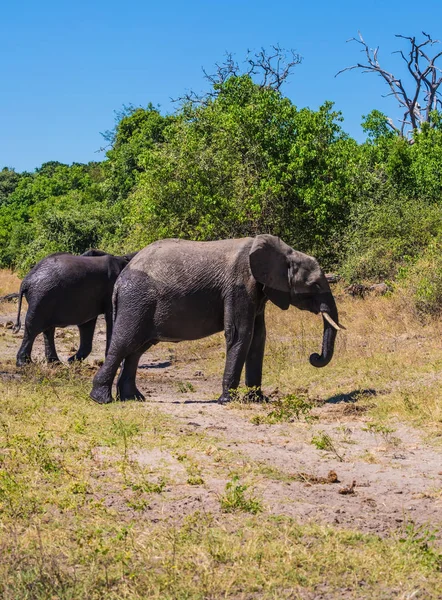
(270, 70)
(424, 97)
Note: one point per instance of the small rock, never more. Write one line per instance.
(349, 489)
(332, 277)
(379, 289)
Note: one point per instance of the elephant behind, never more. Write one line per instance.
(64, 289)
(176, 290)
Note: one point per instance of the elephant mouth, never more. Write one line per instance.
(329, 320)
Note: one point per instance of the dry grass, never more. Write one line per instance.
(9, 282)
(80, 518)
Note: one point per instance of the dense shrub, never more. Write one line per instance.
(385, 236)
(422, 281)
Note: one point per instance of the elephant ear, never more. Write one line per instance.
(270, 267)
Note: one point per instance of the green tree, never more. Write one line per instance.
(244, 162)
(8, 182)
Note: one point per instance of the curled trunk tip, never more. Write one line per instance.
(316, 360)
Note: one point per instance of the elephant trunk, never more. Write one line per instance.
(328, 307)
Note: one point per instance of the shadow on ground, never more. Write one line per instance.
(352, 397)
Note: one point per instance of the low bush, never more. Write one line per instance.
(423, 280)
(386, 237)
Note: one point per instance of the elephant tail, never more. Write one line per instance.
(17, 325)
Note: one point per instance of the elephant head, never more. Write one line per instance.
(292, 278)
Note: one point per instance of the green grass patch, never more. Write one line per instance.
(286, 410)
(235, 499)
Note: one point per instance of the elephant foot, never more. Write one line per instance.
(129, 394)
(76, 358)
(252, 395)
(224, 399)
(101, 395)
(255, 395)
(22, 361)
(53, 360)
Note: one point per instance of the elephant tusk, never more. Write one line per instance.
(328, 318)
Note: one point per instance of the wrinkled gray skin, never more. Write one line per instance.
(63, 289)
(176, 290)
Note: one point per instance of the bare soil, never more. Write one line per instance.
(397, 474)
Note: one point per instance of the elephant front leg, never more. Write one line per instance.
(50, 351)
(237, 347)
(86, 336)
(255, 358)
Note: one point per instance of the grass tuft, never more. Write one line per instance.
(234, 498)
(323, 441)
(286, 410)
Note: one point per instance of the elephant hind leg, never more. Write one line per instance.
(122, 347)
(126, 386)
(50, 350)
(30, 333)
(132, 333)
(86, 336)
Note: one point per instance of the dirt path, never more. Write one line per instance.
(397, 475)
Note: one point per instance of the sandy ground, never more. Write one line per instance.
(397, 475)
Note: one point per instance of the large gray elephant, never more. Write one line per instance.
(63, 289)
(176, 290)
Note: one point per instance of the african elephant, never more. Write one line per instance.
(63, 289)
(176, 290)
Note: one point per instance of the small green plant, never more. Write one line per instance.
(195, 480)
(384, 432)
(323, 441)
(409, 405)
(185, 386)
(235, 500)
(40, 452)
(286, 410)
(420, 541)
(124, 429)
(80, 487)
(80, 425)
(149, 487)
(138, 503)
(346, 434)
(194, 472)
(378, 428)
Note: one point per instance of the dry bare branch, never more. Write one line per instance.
(271, 69)
(418, 101)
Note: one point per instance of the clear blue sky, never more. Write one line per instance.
(67, 66)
